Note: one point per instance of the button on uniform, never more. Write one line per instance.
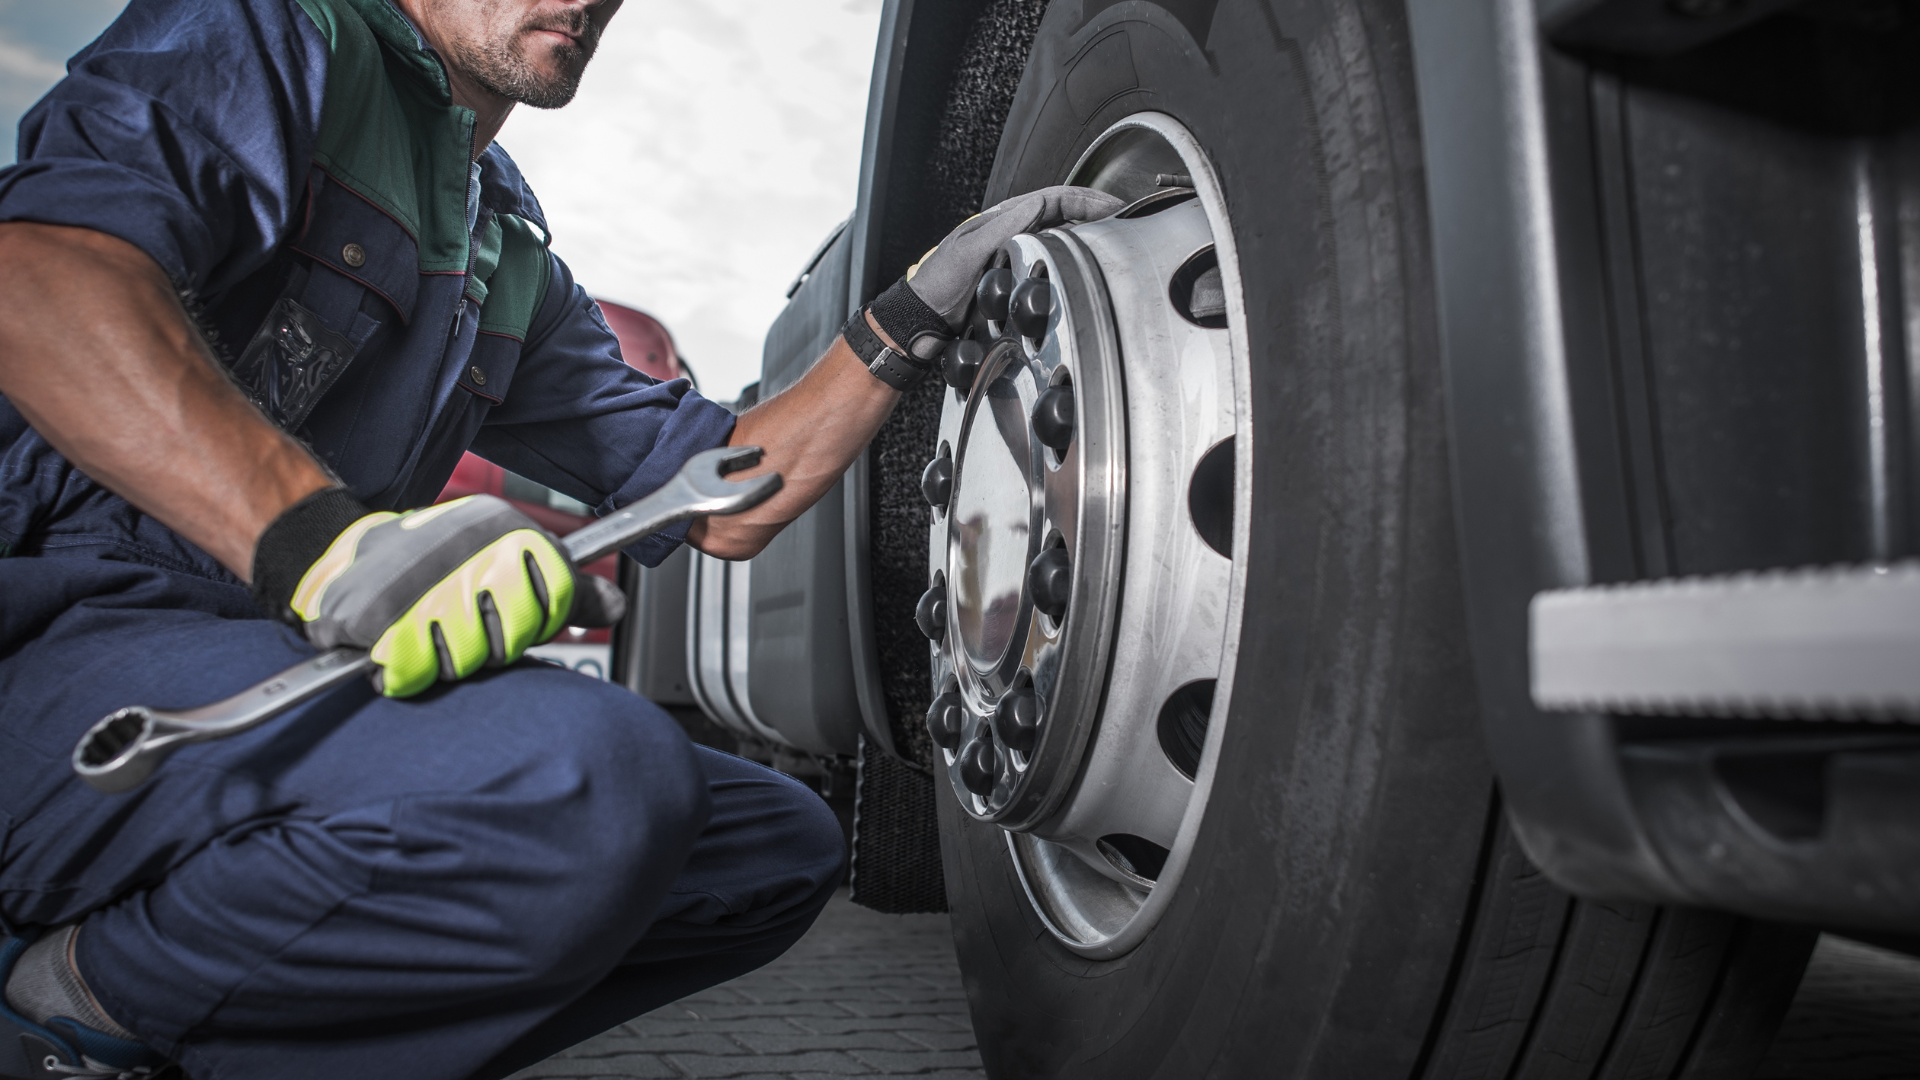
(354, 255)
(479, 377)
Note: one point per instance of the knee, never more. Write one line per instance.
(782, 845)
(639, 798)
(812, 841)
(581, 806)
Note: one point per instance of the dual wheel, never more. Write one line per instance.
(1216, 797)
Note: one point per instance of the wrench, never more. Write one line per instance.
(122, 750)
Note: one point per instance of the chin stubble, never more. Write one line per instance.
(500, 64)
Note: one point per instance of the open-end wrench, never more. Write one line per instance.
(122, 750)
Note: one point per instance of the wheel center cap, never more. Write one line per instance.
(992, 516)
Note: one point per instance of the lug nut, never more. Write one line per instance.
(978, 764)
(1053, 417)
(1032, 303)
(994, 292)
(960, 363)
(936, 482)
(931, 613)
(1017, 721)
(1050, 581)
(945, 717)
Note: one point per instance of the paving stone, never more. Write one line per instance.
(859, 985)
(1856, 1017)
(891, 1063)
(870, 995)
(922, 993)
(841, 1026)
(656, 1025)
(942, 1040)
(698, 1042)
(855, 1040)
(702, 1067)
(937, 1074)
(775, 1009)
(632, 1066)
(898, 1008)
(787, 995)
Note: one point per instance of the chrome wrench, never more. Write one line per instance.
(123, 749)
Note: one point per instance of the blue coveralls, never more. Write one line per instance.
(454, 885)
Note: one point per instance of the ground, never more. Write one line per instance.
(865, 994)
(1856, 1017)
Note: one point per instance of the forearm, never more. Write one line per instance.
(97, 352)
(811, 433)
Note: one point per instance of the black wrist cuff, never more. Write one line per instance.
(294, 541)
(893, 368)
(908, 320)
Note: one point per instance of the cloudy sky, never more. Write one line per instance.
(713, 145)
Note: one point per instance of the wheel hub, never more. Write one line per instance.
(993, 524)
(1083, 537)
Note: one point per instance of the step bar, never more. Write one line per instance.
(1815, 644)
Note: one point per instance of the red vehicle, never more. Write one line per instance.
(645, 344)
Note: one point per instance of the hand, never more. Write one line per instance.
(440, 593)
(945, 277)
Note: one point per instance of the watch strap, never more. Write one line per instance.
(888, 365)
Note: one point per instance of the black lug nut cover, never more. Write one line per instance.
(979, 761)
(944, 719)
(931, 613)
(994, 292)
(1017, 721)
(1053, 417)
(1050, 581)
(936, 481)
(1032, 303)
(960, 363)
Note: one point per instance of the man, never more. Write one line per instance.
(263, 279)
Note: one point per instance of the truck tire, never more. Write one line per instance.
(1352, 902)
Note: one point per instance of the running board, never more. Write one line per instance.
(1826, 644)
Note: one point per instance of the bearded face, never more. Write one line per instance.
(529, 51)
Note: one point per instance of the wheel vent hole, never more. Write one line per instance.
(1210, 498)
(1183, 725)
(1198, 292)
(1135, 856)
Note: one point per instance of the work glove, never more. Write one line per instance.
(928, 307)
(944, 278)
(436, 593)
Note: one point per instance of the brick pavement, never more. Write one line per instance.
(863, 994)
(1856, 1017)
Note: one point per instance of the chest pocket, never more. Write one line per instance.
(360, 273)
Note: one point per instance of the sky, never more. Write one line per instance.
(713, 145)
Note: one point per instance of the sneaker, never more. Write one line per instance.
(62, 1049)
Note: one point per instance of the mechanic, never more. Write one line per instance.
(266, 278)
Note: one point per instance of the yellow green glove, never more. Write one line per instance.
(439, 593)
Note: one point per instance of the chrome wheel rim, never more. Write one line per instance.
(1132, 529)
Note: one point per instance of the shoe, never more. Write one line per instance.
(62, 1049)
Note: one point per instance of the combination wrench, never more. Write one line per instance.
(123, 749)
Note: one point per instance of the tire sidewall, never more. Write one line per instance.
(1314, 925)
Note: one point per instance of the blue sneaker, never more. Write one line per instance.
(62, 1049)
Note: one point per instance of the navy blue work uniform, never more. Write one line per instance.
(452, 885)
